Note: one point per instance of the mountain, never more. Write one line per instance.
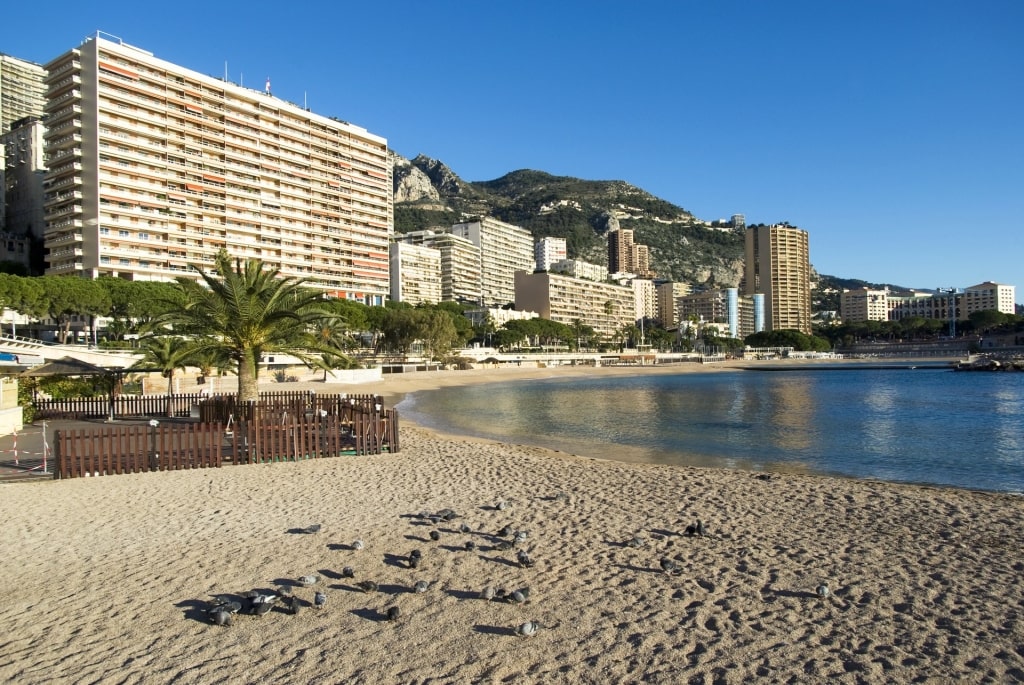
(682, 247)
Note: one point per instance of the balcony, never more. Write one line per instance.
(63, 84)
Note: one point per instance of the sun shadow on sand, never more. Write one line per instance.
(640, 569)
(417, 538)
(340, 547)
(300, 531)
(463, 594)
(370, 615)
(195, 610)
(328, 573)
(500, 560)
(494, 630)
(396, 560)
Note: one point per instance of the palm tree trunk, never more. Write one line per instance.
(170, 395)
(248, 383)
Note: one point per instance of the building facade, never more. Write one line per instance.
(580, 269)
(626, 256)
(415, 273)
(547, 251)
(778, 266)
(21, 90)
(864, 304)
(668, 293)
(23, 171)
(460, 264)
(739, 315)
(504, 250)
(154, 168)
(957, 304)
(605, 307)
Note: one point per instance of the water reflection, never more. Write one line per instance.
(935, 427)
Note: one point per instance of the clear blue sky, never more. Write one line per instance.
(891, 131)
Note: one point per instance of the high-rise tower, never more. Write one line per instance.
(778, 265)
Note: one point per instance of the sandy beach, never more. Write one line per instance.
(109, 579)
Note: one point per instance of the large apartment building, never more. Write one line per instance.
(21, 90)
(460, 264)
(415, 273)
(605, 307)
(504, 250)
(778, 265)
(626, 256)
(154, 168)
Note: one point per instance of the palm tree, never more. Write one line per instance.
(247, 311)
(167, 354)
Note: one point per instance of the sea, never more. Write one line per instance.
(926, 424)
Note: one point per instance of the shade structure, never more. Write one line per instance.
(66, 366)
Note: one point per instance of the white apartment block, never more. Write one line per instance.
(864, 304)
(498, 317)
(460, 264)
(21, 90)
(605, 307)
(547, 251)
(645, 299)
(668, 293)
(579, 269)
(154, 168)
(504, 250)
(415, 273)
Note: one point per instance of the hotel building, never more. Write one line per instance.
(778, 265)
(154, 168)
(742, 314)
(504, 250)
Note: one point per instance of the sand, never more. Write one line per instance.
(107, 580)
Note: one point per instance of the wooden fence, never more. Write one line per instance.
(211, 408)
(111, 450)
(114, 450)
(118, 407)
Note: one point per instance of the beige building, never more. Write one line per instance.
(21, 90)
(864, 304)
(778, 265)
(415, 273)
(460, 264)
(667, 295)
(504, 250)
(605, 307)
(155, 168)
(976, 298)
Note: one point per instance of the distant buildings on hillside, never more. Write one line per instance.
(117, 163)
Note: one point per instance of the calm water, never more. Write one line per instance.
(924, 426)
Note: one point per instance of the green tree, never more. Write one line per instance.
(246, 311)
(167, 354)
